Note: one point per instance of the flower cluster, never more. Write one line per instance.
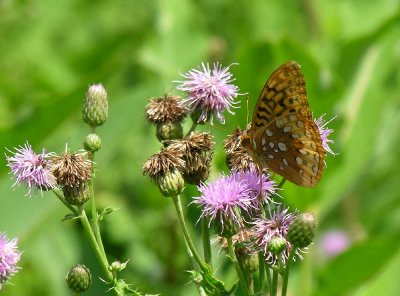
(9, 257)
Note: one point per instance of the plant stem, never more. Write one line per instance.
(93, 242)
(95, 217)
(274, 282)
(261, 273)
(186, 235)
(239, 272)
(286, 272)
(206, 241)
(269, 280)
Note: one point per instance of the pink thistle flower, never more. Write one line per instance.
(224, 198)
(335, 242)
(325, 133)
(9, 257)
(31, 169)
(256, 183)
(209, 92)
(277, 225)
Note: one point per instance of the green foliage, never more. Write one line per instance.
(52, 50)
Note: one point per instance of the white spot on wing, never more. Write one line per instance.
(285, 161)
(268, 132)
(282, 146)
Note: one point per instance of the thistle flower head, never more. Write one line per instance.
(325, 133)
(9, 257)
(31, 169)
(210, 92)
(165, 109)
(265, 229)
(237, 158)
(71, 169)
(223, 199)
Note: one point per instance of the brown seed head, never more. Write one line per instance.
(71, 169)
(164, 109)
(167, 160)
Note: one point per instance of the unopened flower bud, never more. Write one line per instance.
(169, 130)
(276, 245)
(171, 183)
(225, 227)
(248, 262)
(302, 230)
(79, 278)
(95, 107)
(77, 195)
(92, 143)
(117, 266)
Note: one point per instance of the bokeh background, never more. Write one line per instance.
(50, 51)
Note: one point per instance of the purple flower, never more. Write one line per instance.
(325, 132)
(31, 169)
(277, 225)
(334, 242)
(9, 257)
(252, 180)
(209, 91)
(224, 198)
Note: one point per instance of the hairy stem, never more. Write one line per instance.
(239, 271)
(206, 241)
(286, 272)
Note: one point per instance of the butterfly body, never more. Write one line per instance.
(283, 136)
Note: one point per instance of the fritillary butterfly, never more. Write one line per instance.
(283, 136)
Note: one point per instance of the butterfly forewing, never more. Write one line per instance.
(283, 135)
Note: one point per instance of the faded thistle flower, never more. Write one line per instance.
(31, 169)
(196, 150)
(237, 158)
(325, 133)
(164, 170)
(9, 257)
(167, 114)
(223, 200)
(165, 109)
(210, 92)
(71, 169)
(266, 229)
(79, 278)
(95, 107)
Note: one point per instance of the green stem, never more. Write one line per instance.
(239, 272)
(269, 280)
(274, 282)
(93, 209)
(93, 242)
(186, 235)
(261, 273)
(192, 128)
(62, 199)
(75, 294)
(206, 241)
(286, 272)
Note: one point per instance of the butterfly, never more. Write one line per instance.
(283, 136)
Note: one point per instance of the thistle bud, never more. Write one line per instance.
(276, 245)
(92, 143)
(117, 266)
(79, 278)
(169, 130)
(248, 262)
(171, 183)
(95, 107)
(302, 230)
(225, 227)
(77, 195)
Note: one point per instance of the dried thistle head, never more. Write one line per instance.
(165, 109)
(71, 169)
(237, 158)
(165, 161)
(197, 168)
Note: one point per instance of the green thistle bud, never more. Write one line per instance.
(117, 266)
(302, 230)
(171, 183)
(276, 245)
(95, 108)
(79, 278)
(226, 227)
(77, 195)
(248, 262)
(169, 130)
(92, 143)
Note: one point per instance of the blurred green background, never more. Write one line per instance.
(50, 51)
